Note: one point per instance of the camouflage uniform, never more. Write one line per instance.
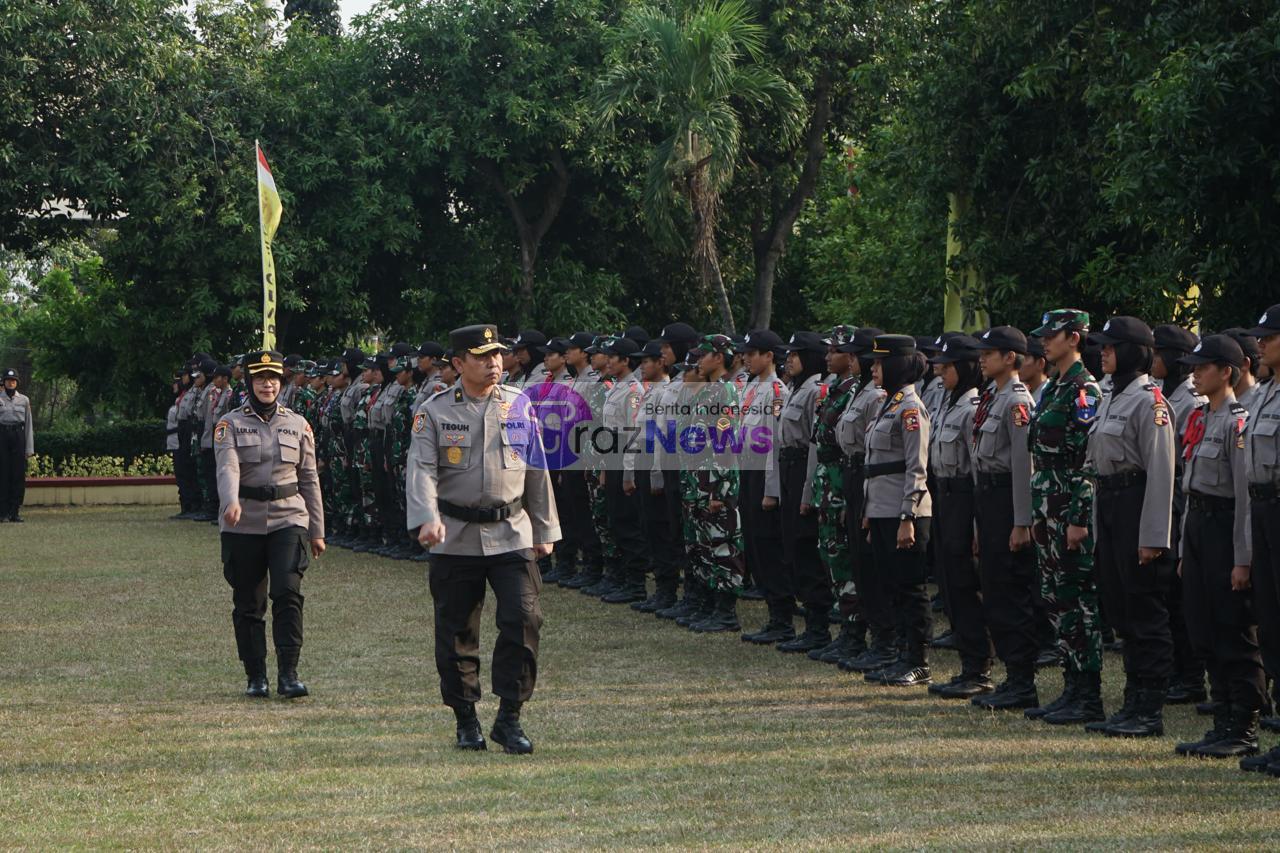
(715, 537)
(363, 513)
(338, 497)
(829, 496)
(1062, 495)
(398, 435)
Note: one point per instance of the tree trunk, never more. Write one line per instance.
(529, 233)
(711, 275)
(769, 244)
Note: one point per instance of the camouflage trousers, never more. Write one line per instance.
(833, 535)
(364, 512)
(1067, 586)
(600, 518)
(713, 538)
(338, 503)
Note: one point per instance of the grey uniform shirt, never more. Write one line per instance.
(949, 448)
(1263, 439)
(932, 395)
(217, 403)
(1216, 468)
(1000, 444)
(472, 453)
(899, 433)
(350, 400)
(16, 411)
(383, 407)
(171, 429)
(762, 401)
(249, 451)
(652, 391)
(287, 392)
(1132, 432)
(668, 400)
(1183, 400)
(621, 409)
(187, 404)
(855, 420)
(430, 386)
(795, 427)
(538, 373)
(1251, 396)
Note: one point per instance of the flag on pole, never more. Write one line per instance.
(269, 211)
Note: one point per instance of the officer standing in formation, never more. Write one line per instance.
(480, 500)
(17, 445)
(272, 523)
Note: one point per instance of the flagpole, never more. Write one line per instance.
(257, 182)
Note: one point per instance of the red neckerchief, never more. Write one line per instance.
(1195, 433)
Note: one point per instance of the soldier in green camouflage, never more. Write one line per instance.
(1062, 499)
(336, 460)
(400, 420)
(829, 494)
(712, 488)
(364, 511)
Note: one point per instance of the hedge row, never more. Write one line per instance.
(124, 439)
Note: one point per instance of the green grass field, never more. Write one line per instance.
(123, 725)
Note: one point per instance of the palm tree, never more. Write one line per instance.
(695, 77)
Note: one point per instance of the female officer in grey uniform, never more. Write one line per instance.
(1131, 458)
(806, 360)
(897, 511)
(272, 522)
(1216, 553)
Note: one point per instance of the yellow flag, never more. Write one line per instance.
(269, 211)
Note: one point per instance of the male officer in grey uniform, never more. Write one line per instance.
(1216, 553)
(1132, 445)
(479, 497)
(1262, 462)
(1006, 560)
(272, 523)
(17, 445)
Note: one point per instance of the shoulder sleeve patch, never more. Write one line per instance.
(1021, 414)
(911, 420)
(220, 432)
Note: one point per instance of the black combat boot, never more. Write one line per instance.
(1016, 692)
(705, 603)
(1069, 684)
(1085, 705)
(1126, 710)
(664, 596)
(1221, 726)
(833, 651)
(1186, 689)
(779, 629)
(945, 640)
(507, 731)
(1260, 762)
(256, 673)
(469, 736)
(723, 618)
(1241, 738)
(633, 589)
(586, 576)
(966, 685)
(287, 683)
(1148, 711)
(881, 653)
(816, 633)
(686, 605)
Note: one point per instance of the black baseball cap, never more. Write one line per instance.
(863, 340)
(637, 334)
(581, 340)
(1248, 343)
(678, 333)
(431, 349)
(530, 338)
(354, 356)
(934, 344)
(10, 373)
(959, 347)
(292, 360)
(1003, 338)
(1035, 346)
(887, 346)
(558, 345)
(1125, 330)
(222, 370)
(478, 339)
(620, 346)
(208, 366)
(653, 349)
(1215, 349)
(760, 340)
(1268, 323)
(806, 342)
(1169, 336)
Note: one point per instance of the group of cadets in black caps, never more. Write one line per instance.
(1076, 489)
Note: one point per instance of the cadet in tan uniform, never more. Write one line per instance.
(1216, 553)
(1006, 560)
(480, 499)
(897, 511)
(1132, 445)
(272, 523)
(1262, 462)
(17, 445)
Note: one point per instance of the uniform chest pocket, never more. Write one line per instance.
(290, 448)
(249, 447)
(1263, 442)
(454, 449)
(989, 435)
(880, 437)
(1209, 460)
(793, 413)
(515, 446)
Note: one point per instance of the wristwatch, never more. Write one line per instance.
(906, 516)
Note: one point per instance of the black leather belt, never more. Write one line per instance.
(954, 485)
(269, 493)
(1267, 492)
(485, 514)
(791, 454)
(1123, 480)
(881, 469)
(1211, 504)
(998, 480)
(855, 462)
(827, 455)
(13, 426)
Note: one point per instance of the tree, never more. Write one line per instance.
(321, 14)
(696, 76)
